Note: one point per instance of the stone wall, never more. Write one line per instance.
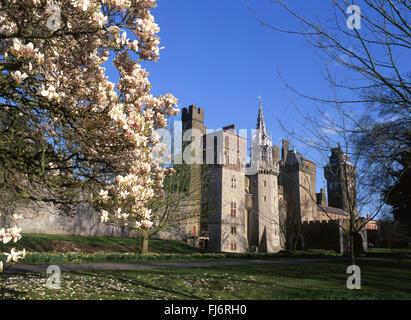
(82, 220)
(323, 235)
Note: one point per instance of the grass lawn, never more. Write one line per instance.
(59, 243)
(311, 280)
(55, 249)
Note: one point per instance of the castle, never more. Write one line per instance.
(268, 204)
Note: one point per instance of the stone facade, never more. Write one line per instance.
(269, 204)
(266, 205)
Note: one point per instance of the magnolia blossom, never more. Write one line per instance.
(103, 195)
(16, 218)
(146, 224)
(5, 236)
(49, 93)
(13, 233)
(67, 76)
(15, 255)
(18, 76)
(104, 216)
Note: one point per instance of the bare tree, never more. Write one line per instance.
(366, 41)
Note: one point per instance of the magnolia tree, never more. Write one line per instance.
(66, 130)
(12, 234)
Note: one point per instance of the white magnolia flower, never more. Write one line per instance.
(5, 236)
(17, 45)
(146, 224)
(16, 218)
(103, 194)
(104, 216)
(14, 255)
(18, 76)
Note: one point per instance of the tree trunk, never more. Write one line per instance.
(144, 244)
(352, 247)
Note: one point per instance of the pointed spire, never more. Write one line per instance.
(261, 141)
(260, 119)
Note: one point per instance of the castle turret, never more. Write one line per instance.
(341, 175)
(264, 216)
(298, 177)
(193, 130)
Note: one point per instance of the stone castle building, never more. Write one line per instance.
(266, 204)
(269, 203)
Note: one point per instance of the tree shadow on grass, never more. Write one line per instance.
(141, 283)
(10, 294)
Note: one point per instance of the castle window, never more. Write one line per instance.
(263, 154)
(215, 150)
(233, 246)
(265, 199)
(233, 209)
(233, 183)
(233, 230)
(194, 233)
(265, 183)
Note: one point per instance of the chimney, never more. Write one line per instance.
(276, 154)
(321, 198)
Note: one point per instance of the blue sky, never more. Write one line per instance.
(217, 56)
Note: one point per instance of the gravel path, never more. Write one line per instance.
(138, 266)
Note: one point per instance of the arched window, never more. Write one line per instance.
(263, 154)
(233, 209)
(233, 183)
(194, 233)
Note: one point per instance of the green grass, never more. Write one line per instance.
(63, 243)
(79, 249)
(311, 280)
(127, 257)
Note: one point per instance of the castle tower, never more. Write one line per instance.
(298, 177)
(341, 175)
(193, 130)
(223, 199)
(263, 220)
